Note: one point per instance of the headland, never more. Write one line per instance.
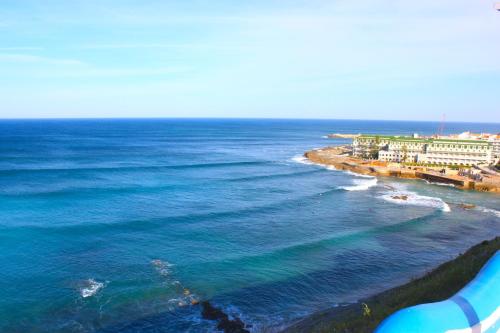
(466, 163)
(339, 159)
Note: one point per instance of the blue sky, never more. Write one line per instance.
(371, 59)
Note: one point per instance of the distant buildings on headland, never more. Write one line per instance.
(465, 149)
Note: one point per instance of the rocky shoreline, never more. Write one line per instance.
(224, 322)
(337, 157)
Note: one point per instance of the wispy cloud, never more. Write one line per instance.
(136, 46)
(95, 72)
(48, 67)
(298, 54)
(20, 48)
(117, 46)
(29, 58)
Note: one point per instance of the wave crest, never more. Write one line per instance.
(358, 174)
(489, 211)
(360, 185)
(414, 199)
(301, 159)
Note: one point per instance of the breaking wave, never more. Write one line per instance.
(301, 159)
(413, 199)
(90, 288)
(358, 174)
(439, 184)
(304, 160)
(330, 167)
(360, 185)
(489, 211)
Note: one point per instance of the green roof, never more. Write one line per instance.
(393, 137)
(462, 140)
(429, 140)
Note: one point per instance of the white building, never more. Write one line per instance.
(424, 150)
(495, 142)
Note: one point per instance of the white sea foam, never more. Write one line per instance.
(358, 174)
(304, 160)
(439, 184)
(301, 159)
(183, 296)
(360, 185)
(489, 211)
(162, 267)
(324, 136)
(413, 199)
(91, 288)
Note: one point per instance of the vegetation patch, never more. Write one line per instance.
(438, 285)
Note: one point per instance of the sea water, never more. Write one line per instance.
(120, 225)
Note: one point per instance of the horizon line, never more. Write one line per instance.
(239, 118)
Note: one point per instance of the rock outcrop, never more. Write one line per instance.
(224, 323)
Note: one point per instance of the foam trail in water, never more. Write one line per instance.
(91, 288)
(413, 199)
(184, 296)
(358, 174)
(489, 211)
(304, 160)
(163, 267)
(360, 185)
(439, 184)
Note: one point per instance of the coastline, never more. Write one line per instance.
(436, 285)
(336, 157)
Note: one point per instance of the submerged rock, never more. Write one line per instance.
(225, 324)
(210, 312)
(467, 206)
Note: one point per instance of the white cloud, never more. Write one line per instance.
(95, 72)
(21, 48)
(29, 58)
(113, 46)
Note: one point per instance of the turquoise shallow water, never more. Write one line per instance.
(104, 223)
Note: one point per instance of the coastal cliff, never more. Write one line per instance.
(437, 285)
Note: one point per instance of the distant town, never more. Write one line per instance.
(466, 160)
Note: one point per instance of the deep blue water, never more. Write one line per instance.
(105, 223)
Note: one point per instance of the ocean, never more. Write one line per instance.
(119, 225)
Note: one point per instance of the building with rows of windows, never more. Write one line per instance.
(445, 151)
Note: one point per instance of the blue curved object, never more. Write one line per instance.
(474, 309)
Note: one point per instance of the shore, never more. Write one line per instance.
(337, 157)
(439, 284)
